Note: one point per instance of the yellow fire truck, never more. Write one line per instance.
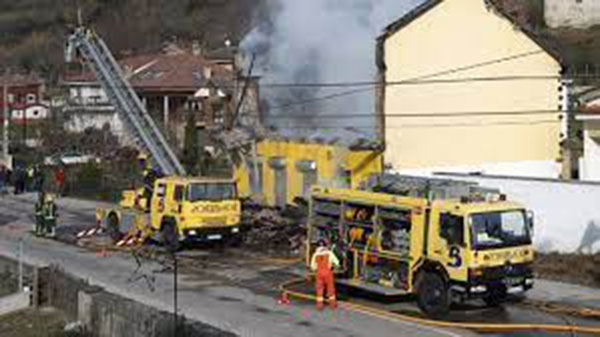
(442, 250)
(181, 209)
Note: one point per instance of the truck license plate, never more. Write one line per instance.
(512, 280)
(215, 237)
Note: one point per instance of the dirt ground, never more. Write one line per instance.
(571, 268)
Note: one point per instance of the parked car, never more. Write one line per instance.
(70, 158)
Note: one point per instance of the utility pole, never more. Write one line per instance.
(566, 131)
(175, 318)
(5, 116)
(20, 264)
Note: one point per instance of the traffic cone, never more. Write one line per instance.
(102, 253)
(284, 299)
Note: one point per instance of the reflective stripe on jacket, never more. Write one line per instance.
(323, 259)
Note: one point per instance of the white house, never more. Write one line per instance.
(31, 112)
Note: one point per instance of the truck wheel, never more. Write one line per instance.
(495, 296)
(169, 237)
(433, 295)
(112, 227)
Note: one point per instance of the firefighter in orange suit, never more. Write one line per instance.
(323, 262)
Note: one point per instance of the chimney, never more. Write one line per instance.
(207, 72)
(196, 49)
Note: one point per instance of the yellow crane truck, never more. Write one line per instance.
(442, 250)
(181, 210)
(178, 207)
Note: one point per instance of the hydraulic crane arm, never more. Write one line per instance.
(110, 76)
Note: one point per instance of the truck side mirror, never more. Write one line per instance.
(530, 221)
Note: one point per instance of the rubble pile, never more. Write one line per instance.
(277, 231)
(570, 268)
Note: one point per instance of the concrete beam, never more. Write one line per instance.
(166, 110)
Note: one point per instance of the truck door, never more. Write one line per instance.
(176, 206)
(448, 243)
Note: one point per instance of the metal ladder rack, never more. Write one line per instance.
(110, 76)
(431, 188)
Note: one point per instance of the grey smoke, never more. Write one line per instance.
(320, 41)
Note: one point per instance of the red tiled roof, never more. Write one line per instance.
(173, 72)
(22, 79)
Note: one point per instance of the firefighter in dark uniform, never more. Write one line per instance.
(50, 215)
(38, 229)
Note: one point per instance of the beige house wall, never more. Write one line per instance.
(455, 34)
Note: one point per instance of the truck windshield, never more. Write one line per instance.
(499, 229)
(211, 191)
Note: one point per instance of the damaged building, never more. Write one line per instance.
(285, 169)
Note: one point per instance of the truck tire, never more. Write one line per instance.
(495, 296)
(169, 237)
(112, 227)
(433, 297)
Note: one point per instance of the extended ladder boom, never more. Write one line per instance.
(121, 94)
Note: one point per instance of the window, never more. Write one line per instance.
(178, 194)
(256, 181)
(395, 235)
(499, 229)
(30, 98)
(309, 179)
(308, 170)
(160, 190)
(211, 191)
(11, 98)
(36, 112)
(345, 178)
(452, 228)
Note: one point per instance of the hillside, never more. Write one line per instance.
(32, 32)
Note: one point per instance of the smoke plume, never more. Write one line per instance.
(320, 41)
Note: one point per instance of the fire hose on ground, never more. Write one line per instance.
(480, 327)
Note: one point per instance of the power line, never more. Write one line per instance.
(425, 115)
(321, 98)
(525, 123)
(416, 78)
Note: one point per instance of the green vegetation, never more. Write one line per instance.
(32, 32)
(191, 146)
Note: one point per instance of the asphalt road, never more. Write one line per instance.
(234, 292)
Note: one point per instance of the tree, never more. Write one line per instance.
(191, 148)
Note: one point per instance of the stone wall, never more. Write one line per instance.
(106, 315)
(102, 313)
